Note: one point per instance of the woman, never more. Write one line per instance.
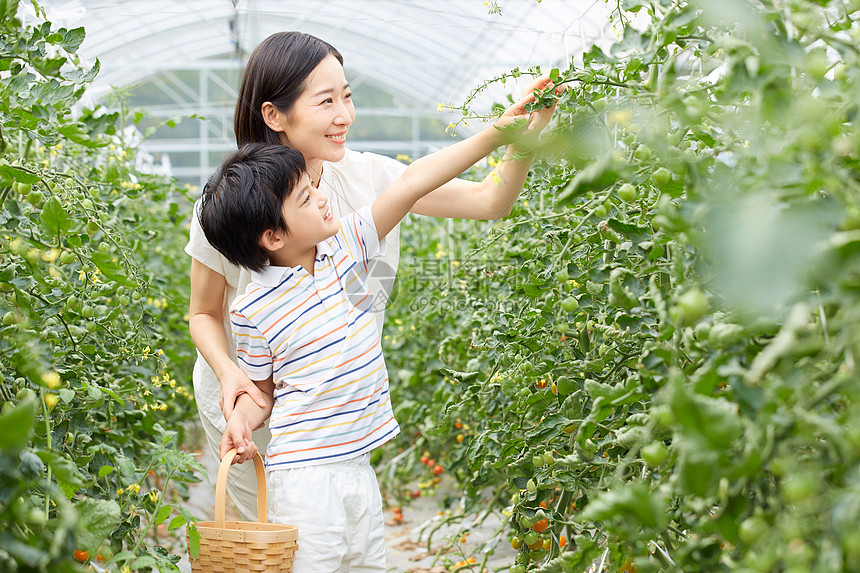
(294, 92)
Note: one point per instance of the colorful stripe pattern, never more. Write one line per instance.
(316, 336)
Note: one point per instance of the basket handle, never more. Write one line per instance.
(221, 488)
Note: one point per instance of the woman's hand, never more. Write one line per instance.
(234, 383)
(537, 119)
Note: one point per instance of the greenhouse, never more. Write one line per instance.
(430, 287)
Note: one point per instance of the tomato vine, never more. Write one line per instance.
(670, 311)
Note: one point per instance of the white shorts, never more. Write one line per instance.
(338, 510)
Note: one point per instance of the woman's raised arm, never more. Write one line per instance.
(493, 197)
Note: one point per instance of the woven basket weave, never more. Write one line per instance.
(232, 546)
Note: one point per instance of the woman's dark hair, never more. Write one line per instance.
(276, 72)
(244, 198)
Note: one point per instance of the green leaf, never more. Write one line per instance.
(193, 542)
(597, 176)
(72, 39)
(8, 9)
(549, 427)
(66, 395)
(63, 468)
(625, 502)
(577, 561)
(632, 232)
(54, 217)
(105, 470)
(74, 133)
(82, 76)
(111, 270)
(163, 514)
(97, 518)
(143, 562)
(12, 172)
(176, 523)
(461, 376)
(16, 425)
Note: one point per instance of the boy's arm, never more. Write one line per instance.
(430, 172)
(246, 417)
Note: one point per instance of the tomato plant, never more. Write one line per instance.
(699, 200)
(89, 464)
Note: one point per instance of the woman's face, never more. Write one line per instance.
(319, 120)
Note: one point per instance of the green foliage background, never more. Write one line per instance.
(659, 343)
(655, 352)
(95, 357)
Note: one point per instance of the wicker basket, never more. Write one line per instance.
(231, 546)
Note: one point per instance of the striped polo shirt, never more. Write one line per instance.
(316, 336)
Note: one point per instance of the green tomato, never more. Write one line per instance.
(562, 327)
(526, 366)
(655, 454)
(693, 305)
(24, 188)
(752, 529)
(569, 304)
(531, 486)
(92, 227)
(642, 153)
(797, 488)
(627, 193)
(562, 276)
(661, 176)
(548, 459)
(25, 394)
(104, 248)
(37, 517)
(67, 257)
(531, 537)
(9, 318)
(601, 210)
(518, 569)
(537, 460)
(35, 197)
(87, 311)
(123, 300)
(135, 296)
(526, 522)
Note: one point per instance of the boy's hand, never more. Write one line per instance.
(535, 120)
(238, 435)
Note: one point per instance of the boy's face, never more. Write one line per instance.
(308, 216)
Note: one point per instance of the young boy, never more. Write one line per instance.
(306, 335)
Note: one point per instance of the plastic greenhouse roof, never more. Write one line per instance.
(424, 52)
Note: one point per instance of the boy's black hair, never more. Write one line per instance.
(244, 198)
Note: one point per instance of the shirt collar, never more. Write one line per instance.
(325, 248)
(272, 276)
